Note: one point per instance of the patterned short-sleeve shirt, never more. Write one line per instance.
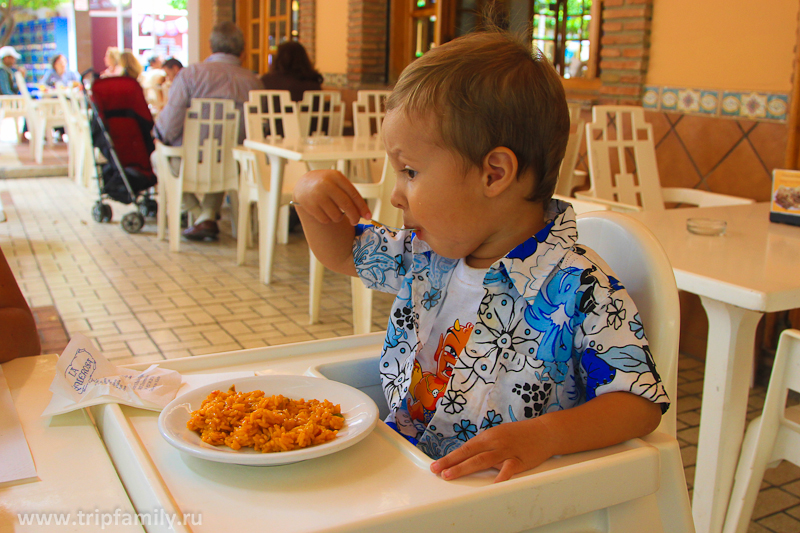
(555, 328)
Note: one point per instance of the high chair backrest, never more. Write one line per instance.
(321, 113)
(210, 130)
(622, 157)
(566, 174)
(271, 114)
(368, 112)
(640, 263)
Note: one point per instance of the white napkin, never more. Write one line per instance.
(85, 378)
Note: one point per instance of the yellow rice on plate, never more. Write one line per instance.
(265, 423)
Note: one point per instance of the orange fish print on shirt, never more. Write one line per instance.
(427, 388)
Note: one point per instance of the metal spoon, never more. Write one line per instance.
(373, 221)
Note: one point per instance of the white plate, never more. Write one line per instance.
(359, 411)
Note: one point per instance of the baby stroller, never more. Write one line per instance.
(122, 119)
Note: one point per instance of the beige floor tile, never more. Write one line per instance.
(781, 523)
(773, 500)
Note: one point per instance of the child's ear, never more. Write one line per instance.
(499, 170)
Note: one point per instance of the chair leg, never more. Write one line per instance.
(315, 274)
(749, 473)
(243, 224)
(161, 215)
(283, 225)
(362, 306)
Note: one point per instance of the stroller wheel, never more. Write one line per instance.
(133, 222)
(148, 207)
(101, 212)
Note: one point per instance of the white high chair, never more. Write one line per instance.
(268, 114)
(772, 437)
(622, 164)
(14, 106)
(654, 500)
(210, 130)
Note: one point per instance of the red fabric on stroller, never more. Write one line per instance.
(122, 107)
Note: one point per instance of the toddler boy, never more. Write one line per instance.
(508, 343)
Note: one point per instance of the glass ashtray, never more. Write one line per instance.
(706, 226)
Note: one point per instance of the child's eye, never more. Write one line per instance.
(411, 173)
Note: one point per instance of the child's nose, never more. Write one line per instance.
(398, 199)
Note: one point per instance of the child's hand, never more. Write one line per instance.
(511, 448)
(328, 196)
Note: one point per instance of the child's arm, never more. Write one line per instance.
(329, 206)
(515, 447)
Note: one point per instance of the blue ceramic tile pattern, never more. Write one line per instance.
(731, 104)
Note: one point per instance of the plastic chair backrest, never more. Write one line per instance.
(321, 113)
(271, 114)
(566, 181)
(210, 130)
(622, 157)
(13, 105)
(22, 86)
(368, 112)
(640, 263)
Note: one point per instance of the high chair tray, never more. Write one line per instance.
(382, 483)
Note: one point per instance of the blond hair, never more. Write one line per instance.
(113, 54)
(489, 89)
(130, 65)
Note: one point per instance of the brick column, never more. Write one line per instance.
(366, 43)
(223, 11)
(625, 50)
(306, 27)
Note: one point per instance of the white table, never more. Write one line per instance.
(317, 153)
(75, 473)
(383, 483)
(749, 271)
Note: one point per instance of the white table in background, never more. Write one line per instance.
(318, 153)
(751, 270)
(75, 473)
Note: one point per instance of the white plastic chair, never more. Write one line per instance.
(378, 196)
(641, 264)
(567, 175)
(321, 113)
(268, 114)
(210, 130)
(76, 124)
(15, 107)
(43, 115)
(772, 437)
(622, 164)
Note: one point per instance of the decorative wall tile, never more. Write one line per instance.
(669, 99)
(688, 101)
(754, 105)
(777, 106)
(709, 102)
(728, 104)
(334, 79)
(651, 97)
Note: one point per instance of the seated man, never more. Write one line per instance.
(8, 62)
(171, 68)
(219, 76)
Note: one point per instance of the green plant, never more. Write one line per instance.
(178, 4)
(7, 18)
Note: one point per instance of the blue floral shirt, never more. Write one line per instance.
(554, 329)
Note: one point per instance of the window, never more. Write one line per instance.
(561, 30)
(266, 24)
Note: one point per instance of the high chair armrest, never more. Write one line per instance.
(682, 195)
(169, 151)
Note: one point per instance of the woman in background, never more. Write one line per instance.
(58, 75)
(112, 60)
(130, 65)
(292, 71)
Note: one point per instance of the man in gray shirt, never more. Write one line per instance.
(219, 76)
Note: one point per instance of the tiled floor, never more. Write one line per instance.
(140, 302)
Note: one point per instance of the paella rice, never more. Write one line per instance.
(264, 423)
